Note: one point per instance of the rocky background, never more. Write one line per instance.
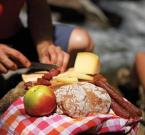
(117, 46)
(116, 26)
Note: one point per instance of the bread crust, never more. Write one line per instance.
(82, 99)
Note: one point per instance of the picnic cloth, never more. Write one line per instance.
(15, 121)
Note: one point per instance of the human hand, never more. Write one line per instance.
(51, 54)
(8, 58)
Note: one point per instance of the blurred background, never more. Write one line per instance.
(116, 26)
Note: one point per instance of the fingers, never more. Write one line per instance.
(19, 57)
(65, 62)
(59, 57)
(43, 53)
(45, 59)
(54, 55)
(3, 69)
(6, 61)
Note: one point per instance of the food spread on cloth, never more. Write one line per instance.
(79, 93)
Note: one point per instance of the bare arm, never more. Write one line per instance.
(40, 24)
(39, 20)
(140, 67)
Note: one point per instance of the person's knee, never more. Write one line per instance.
(139, 56)
(80, 40)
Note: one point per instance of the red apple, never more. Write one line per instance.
(39, 100)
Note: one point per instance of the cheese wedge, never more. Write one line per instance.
(87, 63)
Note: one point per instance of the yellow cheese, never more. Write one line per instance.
(66, 80)
(31, 77)
(67, 77)
(41, 72)
(87, 63)
(84, 77)
(72, 76)
(80, 76)
(68, 73)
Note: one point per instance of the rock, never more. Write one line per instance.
(85, 7)
(65, 3)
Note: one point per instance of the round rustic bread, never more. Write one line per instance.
(82, 99)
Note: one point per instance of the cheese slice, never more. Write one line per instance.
(69, 73)
(69, 76)
(72, 76)
(41, 72)
(80, 76)
(85, 77)
(66, 80)
(31, 77)
(87, 63)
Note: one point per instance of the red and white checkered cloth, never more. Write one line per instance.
(15, 121)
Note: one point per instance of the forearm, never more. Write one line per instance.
(140, 66)
(39, 21)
